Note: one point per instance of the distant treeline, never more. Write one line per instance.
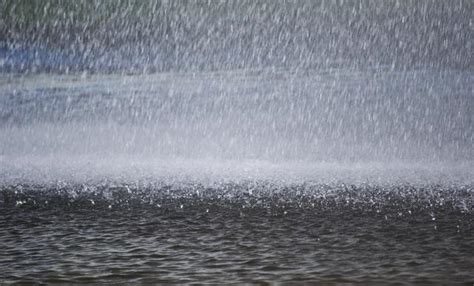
(213, 34)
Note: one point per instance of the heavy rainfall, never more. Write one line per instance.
(236, 141)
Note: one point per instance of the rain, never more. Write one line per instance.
(338, 125)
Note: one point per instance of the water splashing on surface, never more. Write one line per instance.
(270, 141)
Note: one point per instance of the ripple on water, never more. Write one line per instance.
(299, 234)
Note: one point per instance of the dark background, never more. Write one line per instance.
(148, 36)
